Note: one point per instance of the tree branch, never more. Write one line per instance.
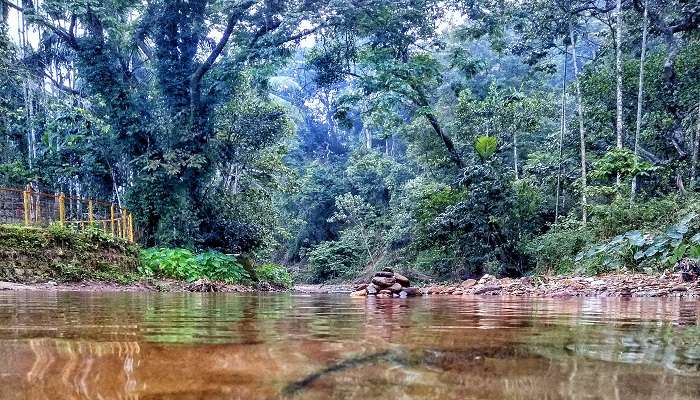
(12, 5)
(231, 23)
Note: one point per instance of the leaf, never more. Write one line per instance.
(636, 238)
(695, 238)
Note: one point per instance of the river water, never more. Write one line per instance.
(227, 346)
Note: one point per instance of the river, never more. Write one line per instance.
(70, 345)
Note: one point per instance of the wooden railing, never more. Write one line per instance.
(34, 208)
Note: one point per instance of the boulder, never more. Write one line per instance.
(371, 289)
(385, 274)
(387, 269)
(383, 282)
(402, 280)
(486, 289)
(359, 293)
(486, 278)
(361, 286)
(396, 287)
(411, 291)
(468, 283)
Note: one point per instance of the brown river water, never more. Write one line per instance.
(64, 345)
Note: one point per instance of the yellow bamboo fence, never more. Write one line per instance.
(34, 208)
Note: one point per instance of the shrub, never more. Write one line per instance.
(635, 249)
(183, 264)
(554, 251)
(171, 263)
(274, 274)
(343, 259)
(221, 267)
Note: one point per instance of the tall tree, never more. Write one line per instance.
(618, 79)
(581, 128)
(640, 94)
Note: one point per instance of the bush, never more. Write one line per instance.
(221, 267)
(342, 259)
(274, 274)
(554, 251)
(648, 235)
(183, 264)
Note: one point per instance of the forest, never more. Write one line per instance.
(445, 138)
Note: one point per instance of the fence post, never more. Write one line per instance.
(124, 227)
(25, 201)
(90, 218)
(131, 228)
(37, 209)
(111, 219)
(62, 209)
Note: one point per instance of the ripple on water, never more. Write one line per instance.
(224, 346)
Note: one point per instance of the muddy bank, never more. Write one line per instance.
(613, 285)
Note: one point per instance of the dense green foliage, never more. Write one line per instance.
(183, 264)
(274, 274)
(444, 138)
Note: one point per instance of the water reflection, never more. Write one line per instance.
(192, 346)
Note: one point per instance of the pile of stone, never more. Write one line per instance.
(386, 283)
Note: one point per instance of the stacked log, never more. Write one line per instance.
(386, 283)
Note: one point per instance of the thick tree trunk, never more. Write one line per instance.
(561, 137)
(582, 130)
(618, 76)
(640, 94)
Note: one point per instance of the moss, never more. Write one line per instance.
(30, 254)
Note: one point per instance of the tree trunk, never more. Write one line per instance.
(561, 136)
(454, 155)
(618, 75)
(696, 150)
(640, 94)
(582, 131)
(515, 153)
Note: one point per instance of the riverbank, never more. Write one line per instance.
(611, 285)
(151, 285)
